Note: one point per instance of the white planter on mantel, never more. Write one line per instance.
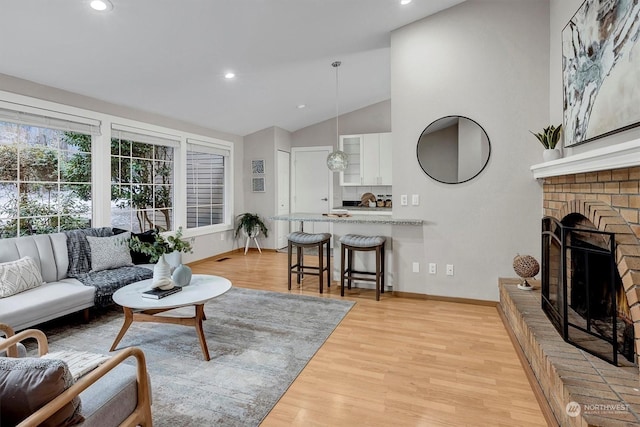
(551, 154)
(624, 155)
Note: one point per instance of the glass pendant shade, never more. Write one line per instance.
(337, 161)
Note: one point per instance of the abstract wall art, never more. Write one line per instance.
(601, 70)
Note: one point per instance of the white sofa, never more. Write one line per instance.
(57, 296)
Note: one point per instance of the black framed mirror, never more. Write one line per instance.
(453, 149)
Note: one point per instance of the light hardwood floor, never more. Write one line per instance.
(397, 362)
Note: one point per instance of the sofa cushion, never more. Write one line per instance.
(46, 302)
(19, 276)
(148, 236)
(49, 251)
(109, 252)
(27, 384)
(79, 251)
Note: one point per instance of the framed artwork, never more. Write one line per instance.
(257, 184)
(601, 70)
(257, 166)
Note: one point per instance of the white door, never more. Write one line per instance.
(283, 168)
(312, 185)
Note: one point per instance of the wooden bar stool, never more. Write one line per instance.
(354, 242)
(302, 240)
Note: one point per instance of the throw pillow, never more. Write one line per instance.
(18, 276)
(109, 252)
(148, 236)
(79, 251)
(27, 384)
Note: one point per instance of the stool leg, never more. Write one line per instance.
(382, 263)
(329, 264)
(378, 251)
(349, 266)
(342, 269)
(299, 256)
(289, 245)
(320, 265)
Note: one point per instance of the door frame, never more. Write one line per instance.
(282, 227)
(294, 151)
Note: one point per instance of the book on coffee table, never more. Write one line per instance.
(158, 293)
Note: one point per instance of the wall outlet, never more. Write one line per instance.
(449, 269)
(416, 267)
(403, 200)
(433, 268)
(415, 199)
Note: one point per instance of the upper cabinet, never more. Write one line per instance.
(369, 159)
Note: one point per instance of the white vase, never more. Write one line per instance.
(161, 270)
(174, 259)
(181, 275)
(551, 154)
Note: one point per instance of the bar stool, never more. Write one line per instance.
(302, 240)
(354, 242)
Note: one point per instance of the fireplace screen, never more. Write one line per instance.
(582, 293)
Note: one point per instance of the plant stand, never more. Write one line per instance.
(254, 236)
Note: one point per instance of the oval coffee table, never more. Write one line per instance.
(139, 309)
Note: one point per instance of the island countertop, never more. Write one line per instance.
(353, 219)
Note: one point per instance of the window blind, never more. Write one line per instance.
(46, 120)
(141, 135)
(206, 147)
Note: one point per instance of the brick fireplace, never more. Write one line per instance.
(602, 189)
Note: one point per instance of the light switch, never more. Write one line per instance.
(415, 199)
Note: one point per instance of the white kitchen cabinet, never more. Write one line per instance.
(369, 159)
(352, 145)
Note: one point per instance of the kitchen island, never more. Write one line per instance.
(363, 224)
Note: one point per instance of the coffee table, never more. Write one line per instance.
(139, 309)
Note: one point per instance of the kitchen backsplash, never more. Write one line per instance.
(355, 193)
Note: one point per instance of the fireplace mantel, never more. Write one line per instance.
(626, 154)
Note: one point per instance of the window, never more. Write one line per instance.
(142, 177)
(206, 178)
(45, 174)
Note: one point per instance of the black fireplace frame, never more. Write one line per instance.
(554, 232)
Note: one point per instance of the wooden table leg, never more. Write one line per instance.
(198, 323)
(128, 319)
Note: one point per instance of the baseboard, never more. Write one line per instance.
(445, 299)
(547, 413)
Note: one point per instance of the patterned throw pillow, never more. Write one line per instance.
(109, 252)
(18, 276)
(27, 384)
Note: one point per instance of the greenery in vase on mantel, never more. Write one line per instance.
(162, 245)
(549, 136)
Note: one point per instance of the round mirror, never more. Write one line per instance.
(453, 149)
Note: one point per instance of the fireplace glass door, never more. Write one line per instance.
(582, 293)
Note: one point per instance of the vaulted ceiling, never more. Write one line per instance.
(169, 56)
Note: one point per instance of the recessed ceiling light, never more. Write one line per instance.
(301, 106)
(403, 2)
(101, 5)
(229, 75)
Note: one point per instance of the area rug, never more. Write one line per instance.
(258, 341)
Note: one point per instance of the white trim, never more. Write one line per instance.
(616, 156)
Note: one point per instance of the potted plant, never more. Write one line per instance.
(549, 138)
(250, 225)
(161, 245)
(157, 250)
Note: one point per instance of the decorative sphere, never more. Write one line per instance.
(525, 266)
(337, 161)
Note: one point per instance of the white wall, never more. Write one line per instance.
(561, 12)
(487, 60)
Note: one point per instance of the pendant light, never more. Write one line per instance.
(338, 160)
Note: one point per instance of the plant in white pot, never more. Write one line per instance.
(250, 225)
(158, 249)
(549, 138)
